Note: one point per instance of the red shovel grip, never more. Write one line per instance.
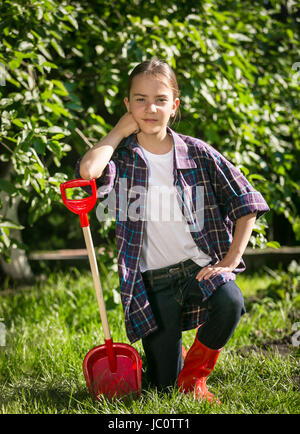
(80, 206)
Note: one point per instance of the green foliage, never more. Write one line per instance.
(286, 285)
(37, 107)
(66, 65)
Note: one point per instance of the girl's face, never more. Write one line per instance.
(151, 103)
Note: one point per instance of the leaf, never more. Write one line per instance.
(208, 97)
(57, 48)
(4, 102)
(55, 148)
(74, 106)
(11, 225)
(25, 45)
(4, 235)
(39, 145)
(273, 244)
(245, 170)
(7, 186)
(43, 50)
(57, 109)
(72, 20)
(60, 85)
(39, 13)
(57, 130)
(239, 37)
(256, 176)
(49, 65)
(116, 296)
(18, 123)
(15, 63)
(46, 94)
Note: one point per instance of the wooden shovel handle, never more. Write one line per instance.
(96, 279)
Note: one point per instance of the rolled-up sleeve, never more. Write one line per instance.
(105, 183)
(236, 196)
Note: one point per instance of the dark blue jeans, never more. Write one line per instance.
(168, 289)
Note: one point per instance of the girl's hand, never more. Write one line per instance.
(220, 267)
(233, 257)
(127, 125)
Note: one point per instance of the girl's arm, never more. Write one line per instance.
(242, 233)
(95, 160)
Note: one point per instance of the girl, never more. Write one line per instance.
(176, 273)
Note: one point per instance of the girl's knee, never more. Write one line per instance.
(229, 297)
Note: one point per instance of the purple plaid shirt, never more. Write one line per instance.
(227, 196)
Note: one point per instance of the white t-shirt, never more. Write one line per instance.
(167, 239)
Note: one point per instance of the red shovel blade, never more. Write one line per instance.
(123, 380)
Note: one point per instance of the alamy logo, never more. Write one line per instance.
(2, 334)
(2, 74)
(296, 336)
(296, 75)
(160, 204)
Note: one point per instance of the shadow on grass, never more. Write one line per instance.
(37, 399)
(34, 399)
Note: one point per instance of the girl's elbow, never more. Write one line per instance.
(87, 173)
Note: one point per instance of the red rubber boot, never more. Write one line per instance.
(198, 365)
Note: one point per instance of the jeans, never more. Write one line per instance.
(168, 289)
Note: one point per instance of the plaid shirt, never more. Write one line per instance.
(227, 197)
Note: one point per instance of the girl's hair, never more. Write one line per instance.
(157, 67)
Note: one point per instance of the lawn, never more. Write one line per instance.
(52, 324)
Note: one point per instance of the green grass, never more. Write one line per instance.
(53, 324)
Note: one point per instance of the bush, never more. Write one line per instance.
(66, 65)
